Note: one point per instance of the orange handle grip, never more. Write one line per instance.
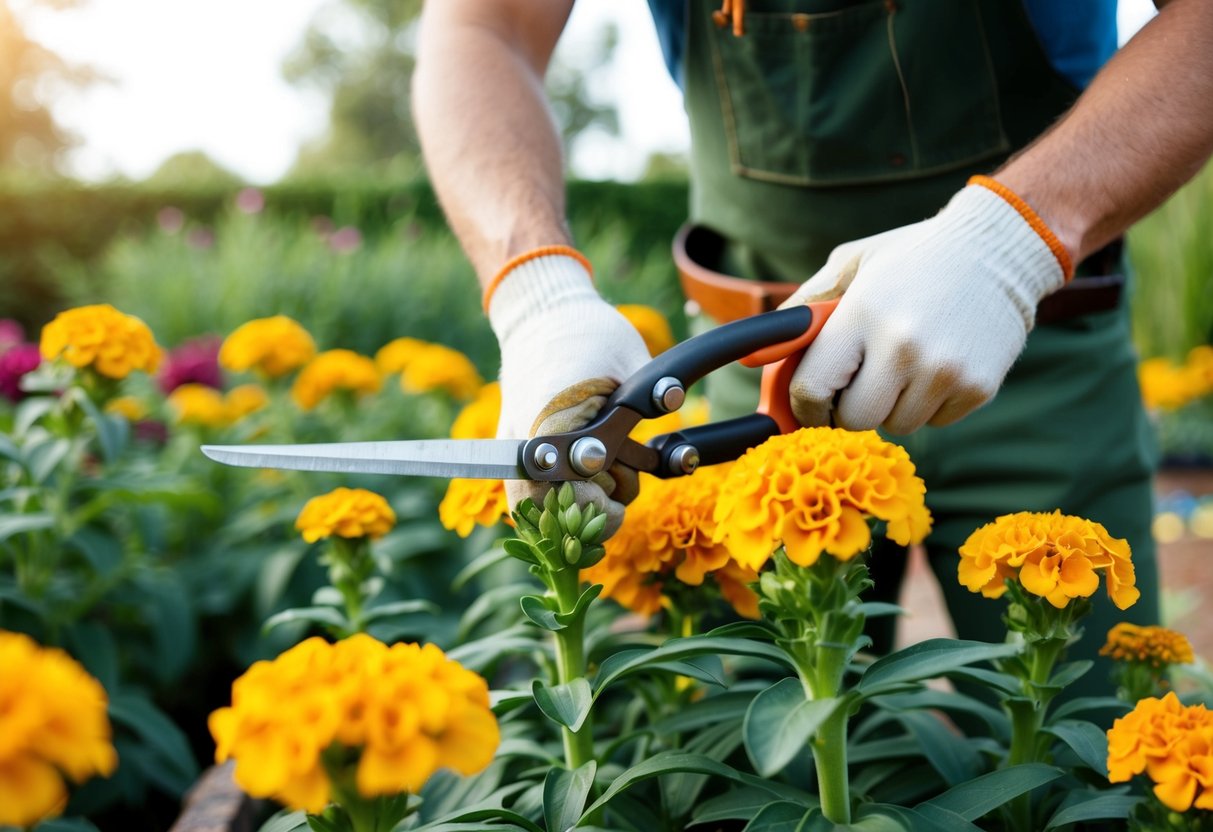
(779, 363)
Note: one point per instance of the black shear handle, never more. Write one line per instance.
(690, 361)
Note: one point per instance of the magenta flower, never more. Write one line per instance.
(345, 239)
(194, 361)
(15, 362)
(250, 201)
(11, 333)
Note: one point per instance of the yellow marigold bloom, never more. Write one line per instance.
(437, 367)
(651, 324)
(128, 407)
(1155, 646)
(407, 709)
(668, 531)
(813, 491)
(197, 404)
(335, 370)
(99, 336)
(345, 512)
(471, 502)
(1055, 556)
(53, 723)
(1168, 386)
(693, 413)
(244, 400)
(478, 419)
(395, 355)
(273, 346)
(1172, 744)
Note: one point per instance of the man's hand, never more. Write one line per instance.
(935, 315)
(564, 350)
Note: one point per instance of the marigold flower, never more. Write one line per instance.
(813, 491)
(472, 502)
(651, 324)
(244, 400)
(395, 355)
(1172, 744)
(335, 370)
(345, 512)
(273, 346)
(1055, 556)
(1169, 386)
(668, 531)
(99, 336)
(478, 419)
(53, 723)
(128, 407)
(1155, 646)
(437, 367)
(407, 709)
(197, 404)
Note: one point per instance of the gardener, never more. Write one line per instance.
(815, 125)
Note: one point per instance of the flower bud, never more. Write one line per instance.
(572, 550)
(592, 530)
(551, 502)
(572, 520)
(549, 526)
(566, 495)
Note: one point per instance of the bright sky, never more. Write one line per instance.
(205, 74)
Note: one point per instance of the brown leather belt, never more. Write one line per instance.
(724, 298)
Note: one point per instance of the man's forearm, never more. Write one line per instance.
(1142, 129)
(490, 145)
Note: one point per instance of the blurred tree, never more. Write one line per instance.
(361, 54)
(31, 75)
(665, 167)
(192, 168)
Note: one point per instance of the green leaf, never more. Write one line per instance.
(482, 563)
(708, 669)
(66, 825)
(481, 654)
(285, 821)
(324, 616)
(983, 794)
(683, 648)
(713, 710)
(536, 609)
(948, 753)
(928, 699)
(780, 722)
(112, 430)
(101, 549)
(779, 817)
(30, 411)
(737, 804)
(319, 823)
(1091, 703)
(565, 793)
(398, 608)
(43, 458)
(925, 818)
(567, 704)
(992, 679)
(583, 602)
(25, 523)
(926, 660)
(877, 609)
(1069, 673)
(1099, 807)
(159, 735)
(1085, 740)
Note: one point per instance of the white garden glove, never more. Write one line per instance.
(564, 350)
(934, 317)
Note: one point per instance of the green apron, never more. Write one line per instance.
(830, 120)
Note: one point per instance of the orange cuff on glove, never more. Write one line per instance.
(1033, 219)
(542, 251)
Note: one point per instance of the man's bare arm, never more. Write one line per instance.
(491, 147)
(1142, 129)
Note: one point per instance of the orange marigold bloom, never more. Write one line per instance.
(128, 407)
(395, 355)
(407, 709)
(478, 419)
(1172, 744)
(345, 512)
(1169, 386)
(334, 370)
(197, 404)
(1155, 646)
(53, 723)
(99, 336)
(651, 324)
(244, 400)
(1055, 556)
(273, 346)
(813, 491)
(472, 502)
(437, 367)
(668, 529)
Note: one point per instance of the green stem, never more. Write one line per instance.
(571, 664)
(830, 755)
(1026, 724)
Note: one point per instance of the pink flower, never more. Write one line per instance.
(345, 239)
(15, 362)
(170, 219)
(11, 333)
(200, 238)
(250, 201)
(194, 361)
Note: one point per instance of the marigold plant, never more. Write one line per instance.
(53, 723)
(245, 400)
(667, 534)
(395, 355)
(1172, 744)
(128, 407)
(335, 370)
(272, 346)
(393, 714)
(112, 343)
(1152, 645)
(197, 404)
(345, 512)
(1166, 385)
(1055, 556)
(651, 324)
(814, 490)
(437, 367)
(471, 502)
(478, 419)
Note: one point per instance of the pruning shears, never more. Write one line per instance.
(774, 341)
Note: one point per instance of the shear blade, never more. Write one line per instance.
(473, 458)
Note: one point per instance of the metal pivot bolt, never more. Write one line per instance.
(588, 456)
(668, 394)
(684, 459)
(546, 456)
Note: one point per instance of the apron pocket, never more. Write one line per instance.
(838, 97)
